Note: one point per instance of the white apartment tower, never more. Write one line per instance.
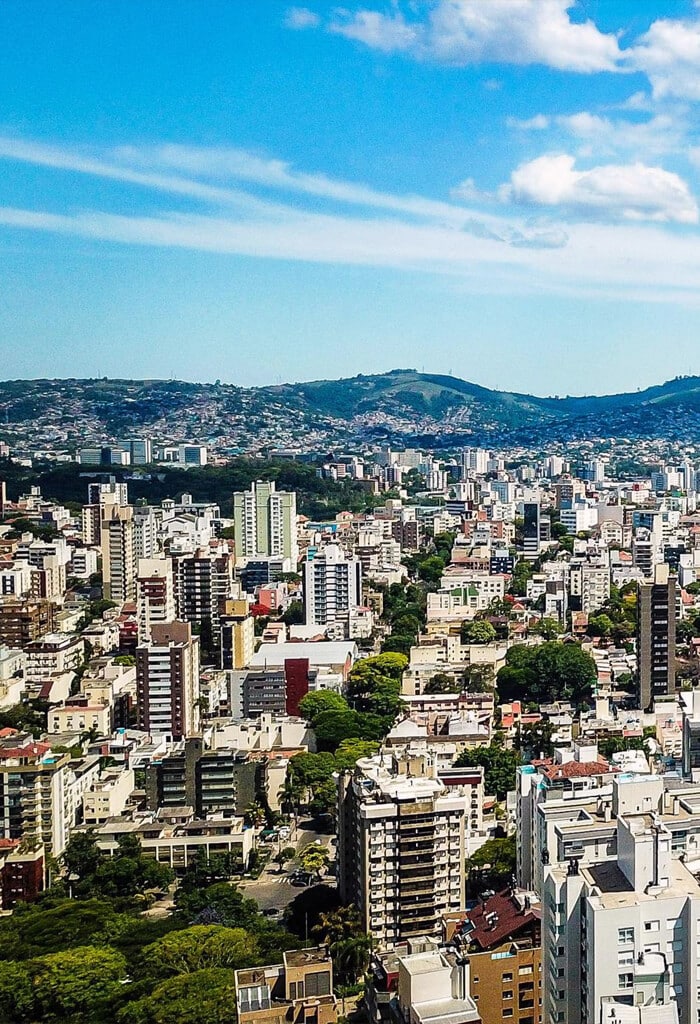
(622, 937)
(332, 586)
(401, 845)
(265, 522)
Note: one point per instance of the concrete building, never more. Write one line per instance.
(33, 782)
(297, 991)
(237, 634)
(214, 782)
(332, 586)
(108, 795)
(53, 654)
(24, 621)
(401, 845)
(155, 594)
(656, 636)
(118, 554)
(501, 937)
(433, 988)
(622, 932)
(167, 681)
(265, 522)
(203, 585)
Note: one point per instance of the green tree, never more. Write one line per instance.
(551, 671)
(199, 947)
(535, 740)
(284, 855)
(430, 569)
(499, 766)
(314, 858)
(549, 628)
(600, 625)
(76, 982)
(207, 996)
(294, 615)
(17, 999)
(491, 866)
(318, 701)
(477, 632)
(441, 683)
(351, 750)
(219, 903)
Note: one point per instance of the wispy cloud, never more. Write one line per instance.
(301, 18)
(315, 218)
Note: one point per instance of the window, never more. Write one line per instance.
(625, 936)
(673, 922)
(677, 968)
(507, 977)
(625, 959)
(651, 926)
(507, 1013)
(625, 980)
(652, 947)
(525, 970)
(508, 994)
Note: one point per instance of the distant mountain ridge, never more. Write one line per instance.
(402, 404)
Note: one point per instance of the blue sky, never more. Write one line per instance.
(251, 191)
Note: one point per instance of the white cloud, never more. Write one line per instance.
(669, 54)
(497, 250)
(602, 135)
(538, 123)
(471, 31)
(628, 192)
(379, 31)
(301, 18)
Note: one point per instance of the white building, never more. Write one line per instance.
(332, 586)
(625, 931)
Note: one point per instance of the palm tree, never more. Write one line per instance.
(351, 957)
(255, 814)
(338, 925)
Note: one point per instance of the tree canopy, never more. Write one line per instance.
(545, 673)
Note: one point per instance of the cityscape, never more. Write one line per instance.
(350, 512)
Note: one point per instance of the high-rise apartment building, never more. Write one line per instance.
(155, 594)
(237, 634)
(118, 554)
(656, 636)
(620, 937)
(531, 530)
(332, 586)
(33, 781)
(101, 496)
(23, 621)
(401, 845)
(167, 681)
(265, 522)
(203, 584)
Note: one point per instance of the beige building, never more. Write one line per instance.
(401, 845)
(237, 635)
(108, 795)
(54, 654)
(297, 991)
(118, 553)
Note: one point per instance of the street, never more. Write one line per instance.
(273, 889)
